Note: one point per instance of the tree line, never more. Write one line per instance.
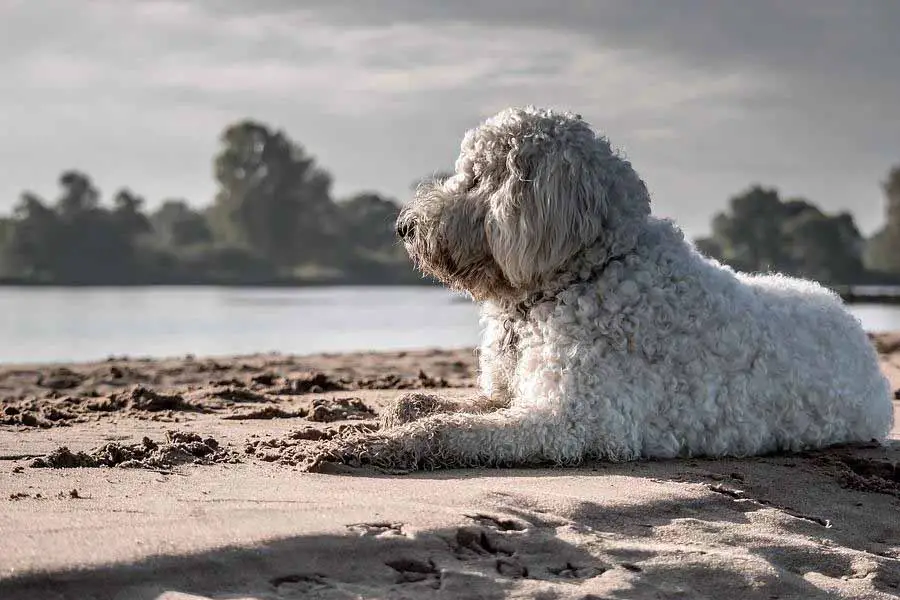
(761, 232)
(274, 220)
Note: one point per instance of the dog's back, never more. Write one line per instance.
(787, 366)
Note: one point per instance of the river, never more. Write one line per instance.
(76, 324)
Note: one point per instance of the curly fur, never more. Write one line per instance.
(607, 335)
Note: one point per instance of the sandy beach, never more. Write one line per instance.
(184, 478)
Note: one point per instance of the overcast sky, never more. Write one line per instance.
(704, 96)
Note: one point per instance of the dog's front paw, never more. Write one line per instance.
(412, 407)
(384, 451)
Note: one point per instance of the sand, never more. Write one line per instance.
(184, 478)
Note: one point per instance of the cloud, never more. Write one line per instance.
(705, 97)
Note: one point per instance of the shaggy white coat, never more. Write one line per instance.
(669, 353)
(607, 334)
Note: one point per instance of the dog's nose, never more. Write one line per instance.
(405, 228)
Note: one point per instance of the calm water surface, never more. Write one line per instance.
(63, 324)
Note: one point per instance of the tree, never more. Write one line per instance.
(709, 247)
(75, 239)
(891, 188)
(272, 197)
(761, 233)
(823, 247)
(749, 234)
(7, 227)
(175, 223)
(78, 196)
(30, 252)
(128, 216)
(368, 219)
(90, 245)
(883, 249)
(273, 219)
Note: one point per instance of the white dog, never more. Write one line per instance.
(608, 335)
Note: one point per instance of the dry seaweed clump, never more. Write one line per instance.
(179, 448)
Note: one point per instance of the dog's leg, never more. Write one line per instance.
(497, 360)
(502, 438)
(415, 406)
(411, 407)
(497, 364)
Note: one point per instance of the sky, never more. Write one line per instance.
(705, 97)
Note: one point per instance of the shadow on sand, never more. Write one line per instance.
(743, 534)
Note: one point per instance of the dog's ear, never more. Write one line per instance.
(550, 206)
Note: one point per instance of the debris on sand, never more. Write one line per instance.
(143, 398)
(865, 474)
(52, 396)
(60, 379)
(237, 394)
(268, 412)
(312, 383)
(43, 413)
(339, 409)
(886, 343)
(63, 458)
(104, 405)
(230, 382)
(54, 414)
(120, 375)
(59, 410)
(317, 383)
(393, 381)
(27, 417)
(179, 448)
(312, 434)
(264, 379)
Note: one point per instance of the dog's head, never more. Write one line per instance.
(531, 189)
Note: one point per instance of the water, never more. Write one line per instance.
(74, 324)
(62, 324)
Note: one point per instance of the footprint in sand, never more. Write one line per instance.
(377, 529)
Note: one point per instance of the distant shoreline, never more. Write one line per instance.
(265, 283)
(864, 294)
(869, 294)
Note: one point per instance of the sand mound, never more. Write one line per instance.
(179, 448)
